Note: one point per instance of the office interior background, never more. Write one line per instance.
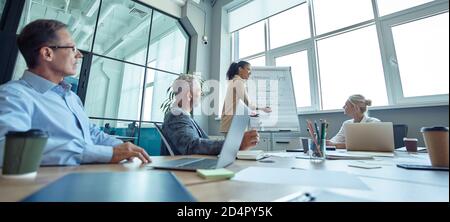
(393, 52)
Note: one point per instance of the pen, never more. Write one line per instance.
(304, 197)
(322, 129)
(311, 131)
(317, 130)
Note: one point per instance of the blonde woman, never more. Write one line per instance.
(238, 74)
(355, 107)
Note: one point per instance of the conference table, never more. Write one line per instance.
(385, 182)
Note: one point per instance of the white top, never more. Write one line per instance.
(340, 136)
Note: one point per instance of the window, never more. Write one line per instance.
(260, 61)
(114, 89)
(283, 32)
(350, 63)
(132, 54)
(80, 16)
(331, 14)
(168, 44)
(300, 76)
(389, 6)
(400, 59)
(422, 54)
(20, 67)
(161, 82)
(148, 97)
(252, 40)
(2, 6)
(123, 31)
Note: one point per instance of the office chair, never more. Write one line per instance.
(164, 139)
(400, 131)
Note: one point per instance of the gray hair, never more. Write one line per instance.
(183, 81)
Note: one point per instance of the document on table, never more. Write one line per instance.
(378, 154)
(318, 196)
(313, 178)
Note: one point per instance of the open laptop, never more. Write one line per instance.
(374, 137)
(229, 150)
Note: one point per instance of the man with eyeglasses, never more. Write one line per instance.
(41, 99)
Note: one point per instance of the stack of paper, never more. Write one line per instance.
(250, 155)
(370, 153)
(215, 174)
(311, 178)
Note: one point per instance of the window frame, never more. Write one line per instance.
(390, 57)
(308, 46)
(383, 26)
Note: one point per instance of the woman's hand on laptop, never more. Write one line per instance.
(251, 139)
(128, 151)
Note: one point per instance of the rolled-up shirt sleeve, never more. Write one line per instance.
(74, 152)
(14, 112)
(340, 136)
(97, 154)
(101, 138)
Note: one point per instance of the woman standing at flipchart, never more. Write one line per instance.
(237, 75)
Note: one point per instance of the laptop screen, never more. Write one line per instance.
(234, 137)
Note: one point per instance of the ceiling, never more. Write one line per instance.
(122, 25)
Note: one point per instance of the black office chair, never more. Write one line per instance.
(166, 142)
(400, 131)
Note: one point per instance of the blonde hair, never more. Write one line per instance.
(360, 101)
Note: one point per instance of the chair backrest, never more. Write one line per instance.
(164, 139)
(400, 131)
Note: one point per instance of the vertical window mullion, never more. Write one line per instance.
(266, 35)
(316, 99)
(385, 41)
(236, 46)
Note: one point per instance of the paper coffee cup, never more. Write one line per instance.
(23, 153)
(410, 144)
(436, 141)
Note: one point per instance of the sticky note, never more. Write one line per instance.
(216, 173)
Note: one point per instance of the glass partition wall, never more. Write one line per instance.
(132, 54)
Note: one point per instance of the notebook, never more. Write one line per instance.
(145, 186)
(347, 156)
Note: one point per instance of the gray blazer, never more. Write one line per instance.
(186, 137)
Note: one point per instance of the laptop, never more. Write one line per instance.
(374, 137)
(229, 150)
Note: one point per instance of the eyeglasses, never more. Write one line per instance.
(74, 48)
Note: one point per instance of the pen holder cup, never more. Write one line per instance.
(317, 151)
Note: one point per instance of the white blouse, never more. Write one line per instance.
(340, 136)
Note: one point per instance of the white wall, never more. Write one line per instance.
(199, 55)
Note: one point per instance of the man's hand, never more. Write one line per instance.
(251, 138)
(128, 151)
